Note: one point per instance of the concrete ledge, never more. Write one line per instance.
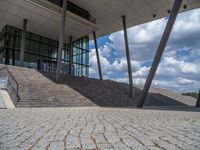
(6, 99)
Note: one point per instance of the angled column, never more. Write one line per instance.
(160, 51)
(97, 53)
(61, 38)
(71, 56)
(198, 100)
(128, 57)
(23, 42)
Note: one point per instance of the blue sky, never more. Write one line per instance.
(179, 68)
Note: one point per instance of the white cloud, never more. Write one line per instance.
(183, 81)
(106, 49)
(142, 72)
(105, 64)
(179, 68)
(121, 65)
(172, 67)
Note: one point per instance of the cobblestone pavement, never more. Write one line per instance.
(98, 128)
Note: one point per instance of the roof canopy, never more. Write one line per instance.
(44, 17)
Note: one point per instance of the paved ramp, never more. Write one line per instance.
(5, 100)
(156, 96)
(2, 104)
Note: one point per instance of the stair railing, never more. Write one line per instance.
(12, 85)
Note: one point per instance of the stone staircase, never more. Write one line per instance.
(35, 90)
(95, 90)
(39, 89)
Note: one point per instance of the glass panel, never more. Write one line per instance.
(53, 43)
(28, 35)
(27, 45)
(34, 47)
(53, 52)
(74, 9)
(35, 37)
(44, 49)
(33, 61)
(19, 42)
(44, 40)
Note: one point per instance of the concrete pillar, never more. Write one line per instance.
(23, 42)
(71, 56)
(128, 57)
(198, 100)
(97, 53)
(61, 38)
(159, 53)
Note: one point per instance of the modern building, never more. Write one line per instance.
(41, 52)
(53, 35)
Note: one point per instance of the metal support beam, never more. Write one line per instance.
(97, 53)
(159, 53)
(61, 39)
(198, 100)
(128, 57)
(23, 42)
(71, 56)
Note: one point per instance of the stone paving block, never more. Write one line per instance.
(56, 146)
(94, 128)
(87, 143)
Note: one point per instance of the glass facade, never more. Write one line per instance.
(41, 52)
(75, 9)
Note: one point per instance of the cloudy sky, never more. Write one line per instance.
(179, 69)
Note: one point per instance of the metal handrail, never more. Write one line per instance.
(14, 80)
(17, 84)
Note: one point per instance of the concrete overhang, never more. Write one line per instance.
(44, 17)
(108, 13)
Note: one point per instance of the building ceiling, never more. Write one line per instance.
(108, 15)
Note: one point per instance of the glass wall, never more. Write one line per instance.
(81, 56)
(41, 52)
(75, 9)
